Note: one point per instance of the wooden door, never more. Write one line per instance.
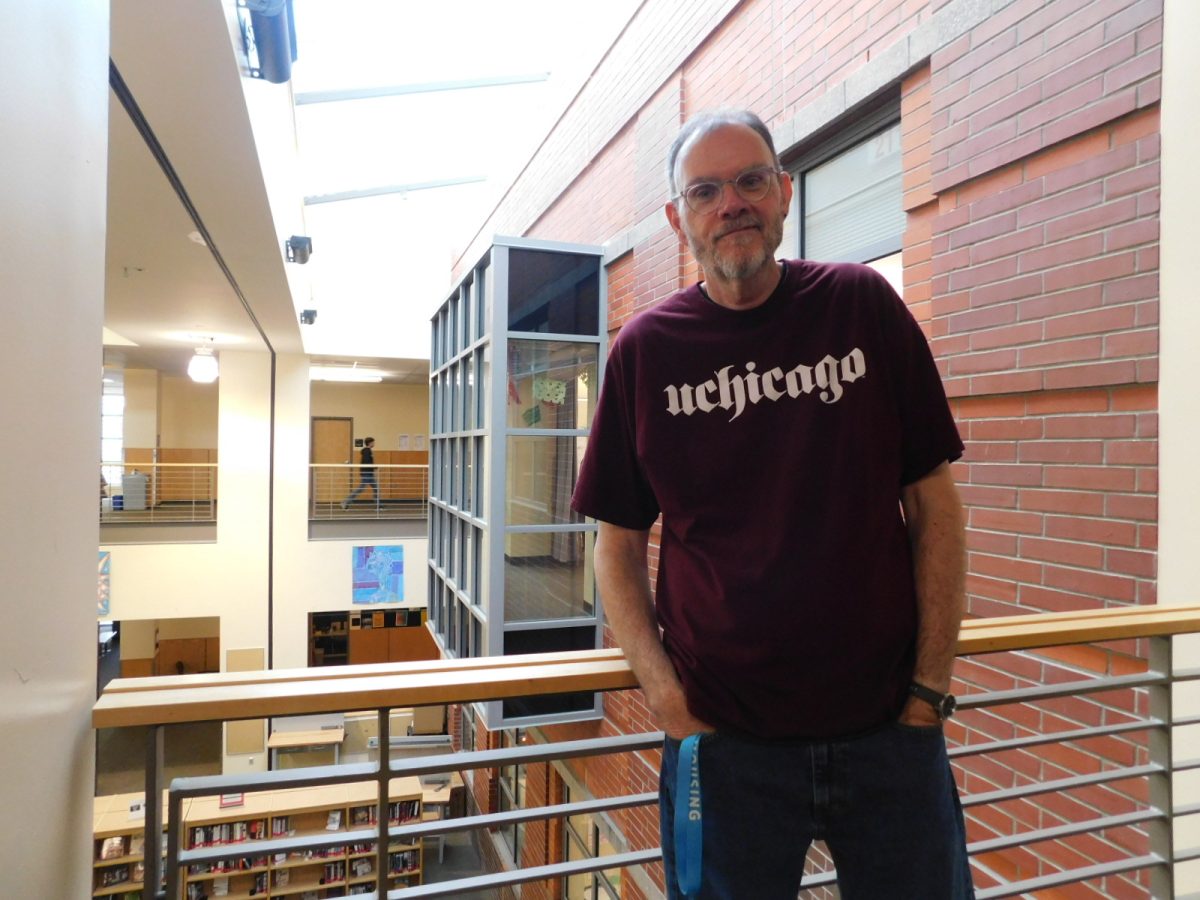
(332, 442)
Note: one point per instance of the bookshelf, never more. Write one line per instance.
(118, 858)
(338, 871)
(352, 637)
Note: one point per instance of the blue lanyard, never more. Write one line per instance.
(688, 831)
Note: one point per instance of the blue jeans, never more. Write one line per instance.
(885, 804)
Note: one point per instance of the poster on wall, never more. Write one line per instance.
(378, 575)
(104, 571)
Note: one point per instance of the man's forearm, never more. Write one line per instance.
(935, 521)
(623, 577)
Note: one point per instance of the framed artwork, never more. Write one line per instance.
(104, 572)
(378, 575)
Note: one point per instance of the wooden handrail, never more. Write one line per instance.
(286, 692)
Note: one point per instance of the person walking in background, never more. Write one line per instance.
(786, 419)
(366, 473)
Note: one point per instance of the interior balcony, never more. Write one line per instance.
(1092, 753)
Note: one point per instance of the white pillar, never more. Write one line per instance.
(53, 161)
(1179, 375)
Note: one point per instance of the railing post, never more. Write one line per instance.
(152, 849)
(384, 776)
(1161, 831)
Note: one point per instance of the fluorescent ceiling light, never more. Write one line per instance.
(203, 366)
(344, 373)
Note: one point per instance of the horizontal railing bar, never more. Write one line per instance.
(348, 466)
(1071, 828)
(525, 814)
(360, 670)
(1179, 721)
(258, 701)
(1055, 737)
(521, 876)
(1186, 765)
(277, 845)
(528, 753)
(276, 779)
(1064, 689)
(1187, 855)
(1189, 809)
(1023, 632)
(1061, 784)
(817, 879)
(1069, 876)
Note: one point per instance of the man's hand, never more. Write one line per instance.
(623, 577)
(918, 714)
(673, 717)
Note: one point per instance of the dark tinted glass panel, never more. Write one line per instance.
(556, 293)
(549, 640)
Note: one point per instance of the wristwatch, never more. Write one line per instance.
(943, 704)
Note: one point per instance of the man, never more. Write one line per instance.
(787, 421)
(366, 474)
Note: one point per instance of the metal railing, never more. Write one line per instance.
(397, 491)
(158, 492)
(1137, 841)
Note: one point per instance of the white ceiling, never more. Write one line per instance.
(380, 266)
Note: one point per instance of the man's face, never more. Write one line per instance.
(738, 239)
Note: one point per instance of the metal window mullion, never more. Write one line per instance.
(152, 804)
(1161, 789)
(382, 799)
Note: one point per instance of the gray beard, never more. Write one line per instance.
(740, 268)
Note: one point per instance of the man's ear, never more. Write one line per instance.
(672, 212)
(785, 186)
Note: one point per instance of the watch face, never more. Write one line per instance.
(949, 705)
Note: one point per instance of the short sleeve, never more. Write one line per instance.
(929, 436)
(612, 485)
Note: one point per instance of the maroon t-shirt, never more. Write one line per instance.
(775, 442)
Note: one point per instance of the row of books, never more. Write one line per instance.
(333, 873)
(404, 811)
(121, 845)
(219, 887)
(121, 874)
(239, 864)
(227, 833)
(404, 861)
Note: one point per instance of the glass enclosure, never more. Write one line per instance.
(518, 348)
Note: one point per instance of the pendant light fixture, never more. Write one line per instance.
(203, 366)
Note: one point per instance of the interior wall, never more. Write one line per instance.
(312, 576)
(141, 408)
(188, 415)
(381, 411)
(54, 106)
(1179, 404)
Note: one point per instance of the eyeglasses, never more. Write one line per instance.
(704, 196)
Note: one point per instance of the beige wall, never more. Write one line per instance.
(381, 411)
(311, 576)
(228, 578)
(1179, 402)
(54, 106)
(141, 408)
(188, 416)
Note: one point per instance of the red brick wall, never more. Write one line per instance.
(1030, 156)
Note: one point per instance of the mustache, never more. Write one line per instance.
(738, 224)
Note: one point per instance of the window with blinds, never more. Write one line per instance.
(852, 203)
